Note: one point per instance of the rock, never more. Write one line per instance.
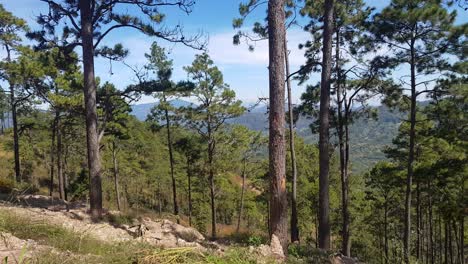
(15, 250)
(167, 234)
(340, 259)
(276, 248)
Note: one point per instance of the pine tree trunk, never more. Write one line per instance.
(15, 135)
(61, 181)
(409, 179)
(171, 161)
(294, 219)
(446, 238)
(345, 247)
(15, 124)
(241, 202)
(418, 222)
(2, 119)
(277, 150)
(189, 179)
(324, 115)
(386, 231)
(462, 238)
(457, 241)
(441, 253)
(116, 175)
(431, 228)
(450, 246)
(212, 182)
(65, 174)
(52, 156)
(94, 162)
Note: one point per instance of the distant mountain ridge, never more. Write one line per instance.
(368, 137)
(141, 111)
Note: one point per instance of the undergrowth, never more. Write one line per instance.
(72, 247)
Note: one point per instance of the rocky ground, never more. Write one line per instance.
(73, 217)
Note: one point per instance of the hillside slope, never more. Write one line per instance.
(368, 137)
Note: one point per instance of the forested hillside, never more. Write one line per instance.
(370, 165)
(370, 137)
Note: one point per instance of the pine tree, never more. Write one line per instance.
(10, 28)
(89, 23)
(418, 34)
(216, 103)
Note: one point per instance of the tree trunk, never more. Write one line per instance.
(212, 182)
(450, 246)
(171, 161)
(294, 219)
(15, 123)
(241, 202)
(65, 174)
(418, 221)
(189, 179)
(116, 175)
(462, 238)
(386, 231)
(277, 151)
(2, 119)
(345, 247)
(61, 181)
(431, 228)
(446, 238)
(94, 162)
(409, 179)
(324, 115)
(457, 241)
(52, 156)
(440, 252)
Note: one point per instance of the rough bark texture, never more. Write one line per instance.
(61, 180)
(211, 147)
(171, 161)
(277, 151)
(294, 220)
(92, 138)
(189, 179)
(52, 156)
(409, 178)
(346, 246)
(116, 174)
(15, 123)
(324, 158)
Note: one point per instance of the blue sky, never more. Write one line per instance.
(246, 72)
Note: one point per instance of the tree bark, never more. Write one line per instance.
(446, 238)
(116, 175)
(211, 148)
(241, 202)
(52, 156)
(450, 246)
(431, 228)
(409, 178)
(294, 219)
(171, 161)
(324, 115)
(345, 247)
(15, 124)
(61, 181)
(189, 179)
(462, 238)
(94, 162)
(386, 231)
(418, 222)
(277, 151)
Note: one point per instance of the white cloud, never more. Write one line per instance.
(223, 51)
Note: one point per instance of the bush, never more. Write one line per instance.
(6, 185)
(248, 239)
